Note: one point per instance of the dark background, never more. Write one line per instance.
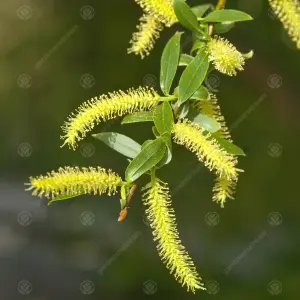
(56, 54)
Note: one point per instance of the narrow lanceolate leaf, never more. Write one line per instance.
(223, 27)
(206, 123)
(149, 157)
(163, 118)
(185, 59)
(227, 15)
(199, 10)
(201, 94)
(169, 63)
(140, 116)
(119, 142)
(185, 15)
(228, 146)
(61, 198)
(193, 76)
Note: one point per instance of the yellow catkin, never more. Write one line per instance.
(225, 57)
(71, 181)
(148, 31)
(163, 222)
(212, 109)
(208, 151)
(224, 188)
(288, 12)
(162, 10)
(104, 108)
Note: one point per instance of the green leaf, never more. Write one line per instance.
(228, 146)
(60, 198)
(168, 155)
(146, 143)
(224, 27)
(155, 132)
(201, 94)
(198, 45)
(163, 118)
(185, 15)
(123, 203)
(183, 110)
(169, 63)
(185, 59)
(193, 76)
(140, 116)
(119, 142)
(227, 15)
(206, 122)
(149, 157)
(199, 10)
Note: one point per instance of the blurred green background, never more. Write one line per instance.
(56, 54)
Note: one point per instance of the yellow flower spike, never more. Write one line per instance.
(163, 222)
(208, 151)
(71, 181)
(288, 12)
(225, 57)
(162, 10)
(148, 31)
(104, 108)
(223, 189)
(212, 109)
